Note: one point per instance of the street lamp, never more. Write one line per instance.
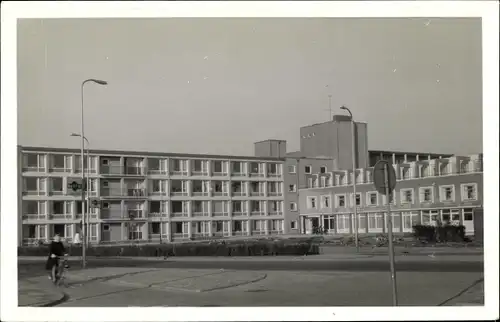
(353, 134)
(87, 184)
(82, 135)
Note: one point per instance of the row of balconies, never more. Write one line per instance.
(140, 193)
(138, 214)
(364, 176)
(119, 170)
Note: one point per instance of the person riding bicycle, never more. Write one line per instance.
(56, 250)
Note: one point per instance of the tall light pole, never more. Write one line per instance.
(87, 183)
(353, 133)
(82, 134)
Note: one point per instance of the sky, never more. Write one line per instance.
(217, 85)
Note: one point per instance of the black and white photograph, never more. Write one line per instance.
(242, 157)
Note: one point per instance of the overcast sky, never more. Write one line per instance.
(217, 85)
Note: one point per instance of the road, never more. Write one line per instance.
(374, 264)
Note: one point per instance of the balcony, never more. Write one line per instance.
(57, 193)
(157, 171)
(133, 193)
(217, 213)
(61, 216)
(176, 214)
(34, 193)
(157, 214)
(33, 168)
(275, 213)
(257, 213)
(178, 192)
(239, 213)
(134, 214)
(34, 217)
(134, 171)
(200, 213)
(111, 170)
(274, 193)
(257, 193)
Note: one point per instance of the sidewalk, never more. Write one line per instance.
(39, 293)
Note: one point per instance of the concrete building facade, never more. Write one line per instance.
(426, 192)
(149, 196)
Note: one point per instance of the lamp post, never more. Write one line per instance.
(82, 135)
(87, 183)
(353, 134)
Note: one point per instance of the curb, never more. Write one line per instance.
(63, 299)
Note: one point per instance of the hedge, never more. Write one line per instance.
(258, 248)
(446, 233)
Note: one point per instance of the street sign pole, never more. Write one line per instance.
(384, 179)
(391, 245)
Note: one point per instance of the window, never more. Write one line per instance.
(293, 206)
(406, 196)
(325, 202)
(293, 224)
(468, 214)
(340, 201)
(372, 198)
(155, 228)
(426, 194)
(311, 202)
(447, 193)
(105, 228)
(323, 182)
(469, 191)
(375, 222)
(410, 219)
(343, 223)
(307, 169)
(292, 188)
(105, 205)
(322, 169)
(291, 169)
(358, 199)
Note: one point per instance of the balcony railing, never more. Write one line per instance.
(124, 192)
(59, 169)
(257, 213)
(60, 216)
(257, 193)
(200, 192)
(274, 193)
(157, 193)
(219, 193)
(220, 213)
(239, 233)
(258, 232)
(57, 193)
(111, 170)
(203, 173)
(157, 171)
(34, 193)
(179, 172)
(134, 171)
(274, 174)
(238, 173)
(201, 213)
(219, 174)
(135, 214)
(178, 192)
(89, 170)
(256, 174)
(239, 213)
(156, 214)
(180, 214)
(275, 213)
(33, 169)
(34, 217)
(239, 193)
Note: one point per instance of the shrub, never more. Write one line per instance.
(446, 233)
(250, 248)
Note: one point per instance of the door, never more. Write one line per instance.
(468, 220)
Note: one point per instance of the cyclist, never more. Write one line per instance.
(56, 250)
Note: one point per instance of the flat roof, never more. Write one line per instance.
(413, 153)
(147, 153)
(270, 140)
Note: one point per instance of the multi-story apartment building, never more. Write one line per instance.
(427, 191)
(150, 195)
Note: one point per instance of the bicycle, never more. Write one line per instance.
(60, 271)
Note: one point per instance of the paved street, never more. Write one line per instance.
(194, 287)
(359, 263)
(273, 281)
